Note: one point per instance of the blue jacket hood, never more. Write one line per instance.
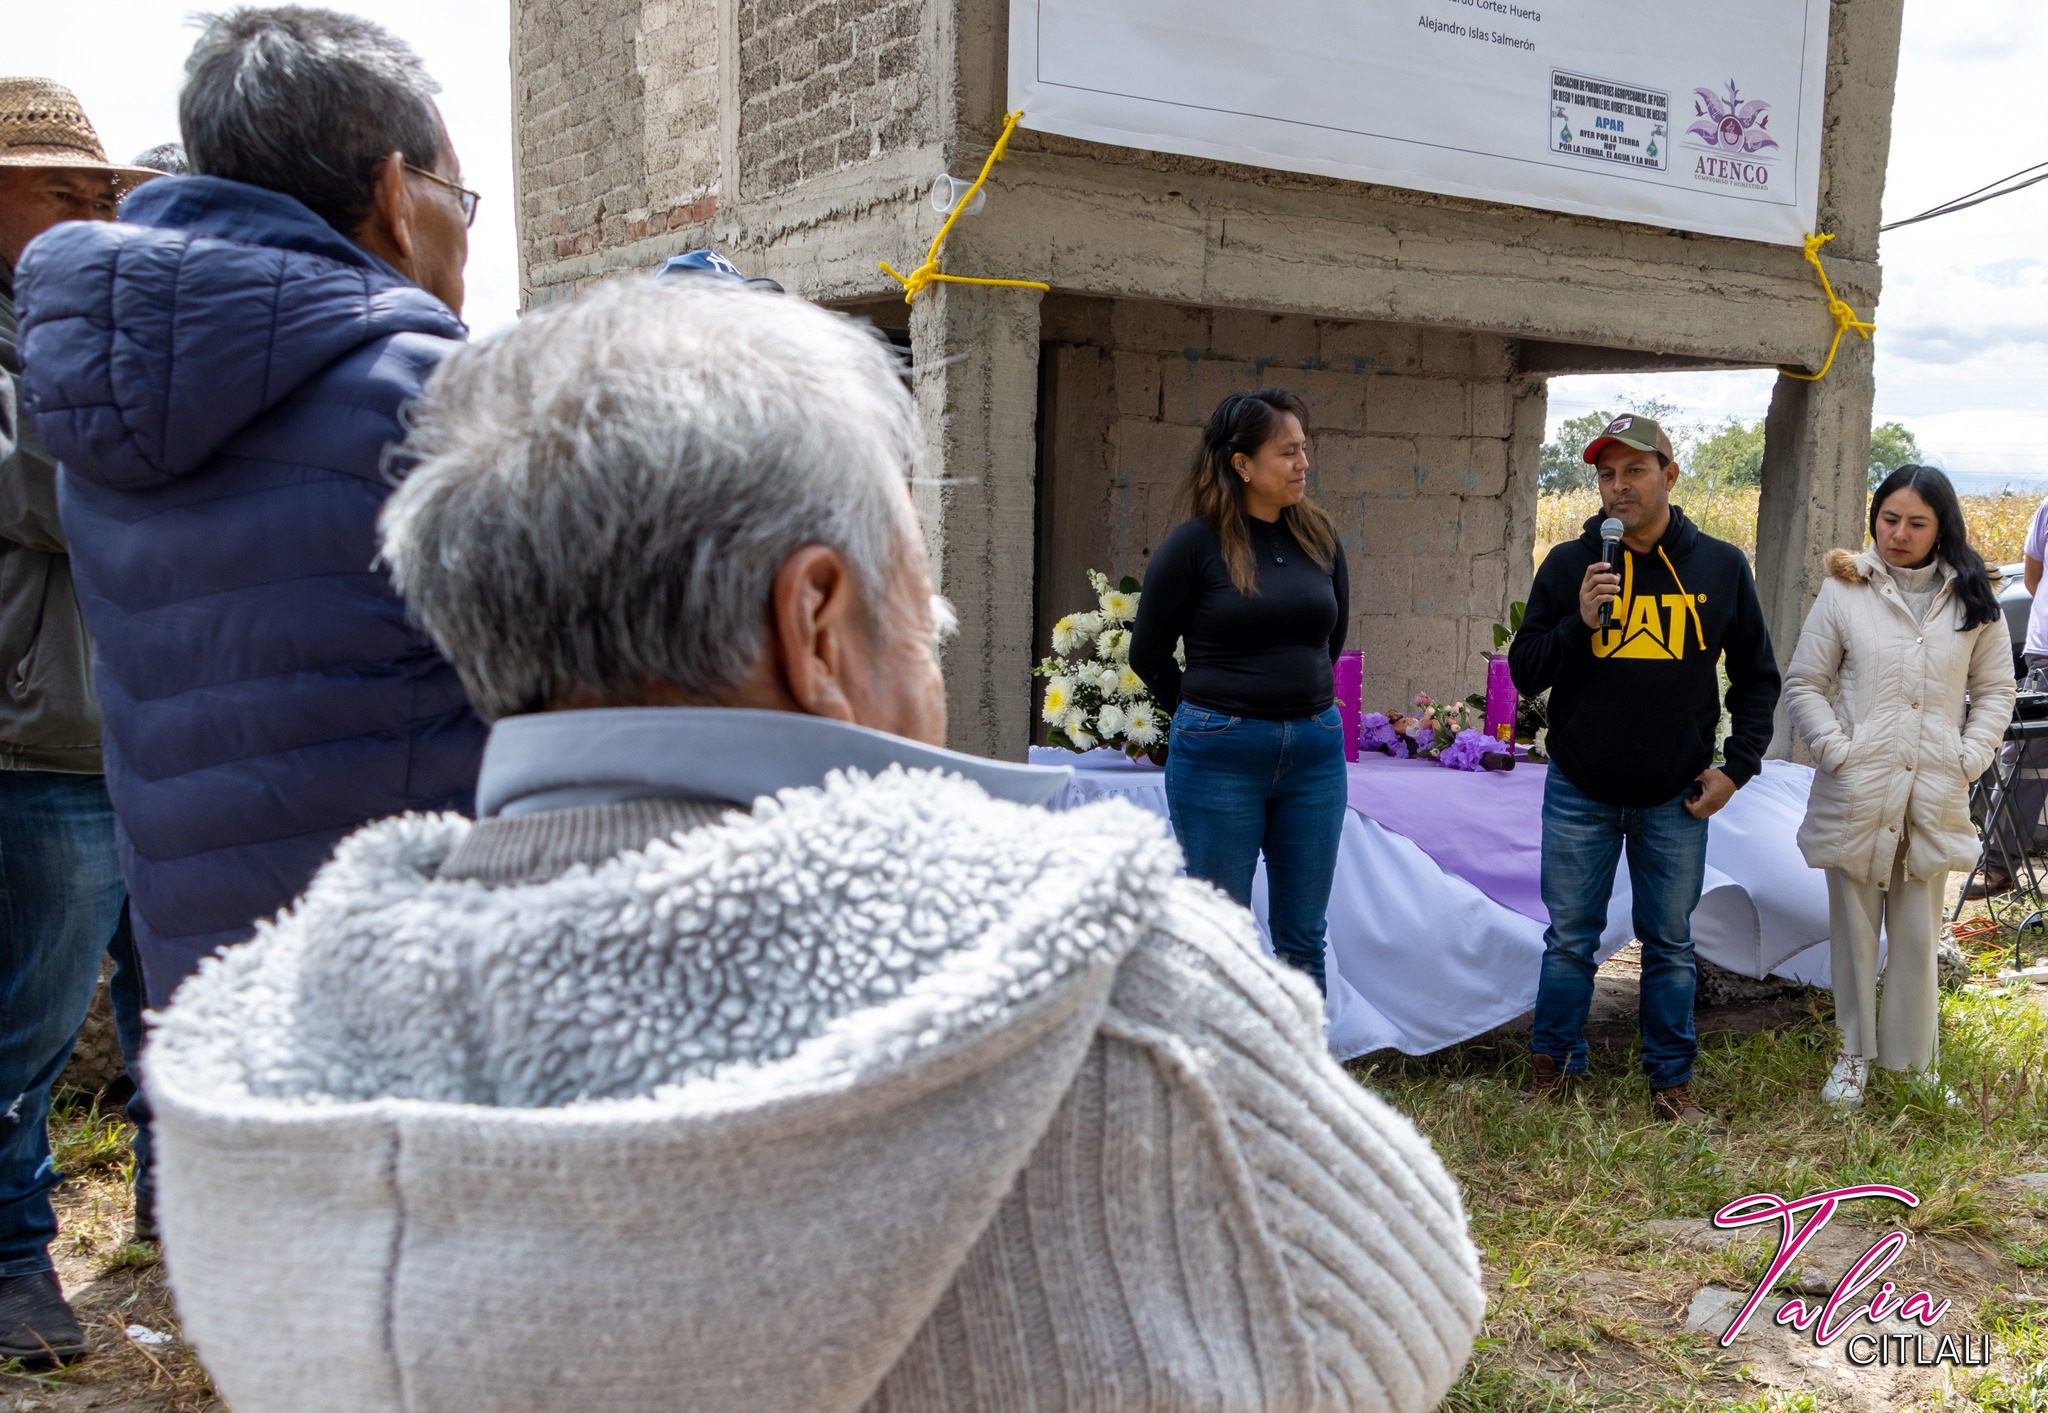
(154, 340)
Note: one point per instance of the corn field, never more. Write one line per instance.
(1998, 524)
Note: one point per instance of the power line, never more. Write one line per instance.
(1977, 197)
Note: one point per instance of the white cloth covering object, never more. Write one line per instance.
(886, 1095)
(1420, 959)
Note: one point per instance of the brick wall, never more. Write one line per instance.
(677, 53)
(579, 138)
(1423, 450)
(826, 84)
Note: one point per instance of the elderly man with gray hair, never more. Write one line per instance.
(756, 1049)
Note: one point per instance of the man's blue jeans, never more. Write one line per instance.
(1667, 864)
(1236, 787)
(60, 902)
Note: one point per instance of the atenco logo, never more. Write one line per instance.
(1832, 1320)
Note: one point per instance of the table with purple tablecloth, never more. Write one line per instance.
(1436, 916)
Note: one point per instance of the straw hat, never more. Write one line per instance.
(42, 125)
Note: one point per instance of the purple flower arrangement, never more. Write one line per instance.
(1466, 751)
(1440, 734)
(1376, 733)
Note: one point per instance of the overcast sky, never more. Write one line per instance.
(1962, 347)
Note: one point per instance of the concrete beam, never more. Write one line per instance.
(1550, 360)
(975, 358)
(824, 238)
(1120, 230)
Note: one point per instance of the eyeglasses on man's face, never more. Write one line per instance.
(463, 194)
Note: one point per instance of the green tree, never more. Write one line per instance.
(1562, 466)
(1731, 455)
(1891, 446)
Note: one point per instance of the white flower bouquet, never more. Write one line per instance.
(1092, 695)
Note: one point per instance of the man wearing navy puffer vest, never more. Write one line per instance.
(219, 376)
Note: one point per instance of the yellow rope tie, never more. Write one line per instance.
(929, 273)
(1845, 317)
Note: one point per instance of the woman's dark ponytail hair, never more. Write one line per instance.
(1951, 539)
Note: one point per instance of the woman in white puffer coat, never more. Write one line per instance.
(1901, 687)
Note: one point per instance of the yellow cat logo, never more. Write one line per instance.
(1650, 626)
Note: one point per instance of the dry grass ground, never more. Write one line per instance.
(1593, 1221)
(116, 1286)
(1998, 524)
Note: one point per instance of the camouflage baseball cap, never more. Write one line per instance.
(1631, 431)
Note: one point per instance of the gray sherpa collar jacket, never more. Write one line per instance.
(885, 1095)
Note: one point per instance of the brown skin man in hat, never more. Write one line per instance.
(61, 895)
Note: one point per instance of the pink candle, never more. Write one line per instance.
(1502, 702)
(1348, 676)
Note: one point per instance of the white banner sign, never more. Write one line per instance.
(1704, 117)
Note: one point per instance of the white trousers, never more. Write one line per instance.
(1909, 911)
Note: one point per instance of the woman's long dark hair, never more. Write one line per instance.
(1242, 423)
(1951, 538)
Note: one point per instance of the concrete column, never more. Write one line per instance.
(975, 353)
(1816, 491)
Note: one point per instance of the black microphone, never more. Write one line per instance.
(1610, 550)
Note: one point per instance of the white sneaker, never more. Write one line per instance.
(1926, 1085)
(1846, 1081)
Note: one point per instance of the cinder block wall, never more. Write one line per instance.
(825, 85)
(1424, 449)
(646, 123)
(579, 125)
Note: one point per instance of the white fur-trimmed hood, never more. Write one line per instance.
(724, 1116)
(824, 937)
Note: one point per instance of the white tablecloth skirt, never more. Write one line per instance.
(1420, 959)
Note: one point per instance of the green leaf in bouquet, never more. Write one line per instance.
(1127, 585)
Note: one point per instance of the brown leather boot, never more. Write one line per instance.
(1677, 1106)
(1991, 883)
(1549, 1082)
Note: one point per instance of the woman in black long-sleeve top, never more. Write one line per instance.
(1256, 587)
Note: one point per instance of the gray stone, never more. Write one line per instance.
(1714, 1309)
(1804, 1280)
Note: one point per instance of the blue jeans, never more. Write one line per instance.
(129, 999)
(60, 902)
(1667, 865)
(1236, 787)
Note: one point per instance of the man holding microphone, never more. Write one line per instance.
(1626, 635)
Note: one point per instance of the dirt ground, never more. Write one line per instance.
(138, 1364)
